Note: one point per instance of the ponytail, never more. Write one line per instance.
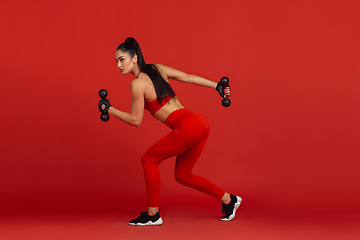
(162, 87)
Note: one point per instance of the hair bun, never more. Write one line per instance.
(130, 40)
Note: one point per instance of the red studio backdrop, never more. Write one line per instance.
(289, 143)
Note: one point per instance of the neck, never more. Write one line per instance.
(136, 71)
(138, 74)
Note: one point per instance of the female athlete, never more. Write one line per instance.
(151, 90)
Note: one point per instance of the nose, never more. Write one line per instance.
(119, 64)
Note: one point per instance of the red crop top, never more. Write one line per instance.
(155, 106)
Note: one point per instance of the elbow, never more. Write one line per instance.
(136, 123)
(134, 119)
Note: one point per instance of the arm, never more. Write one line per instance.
(184, 77)
(136, 114)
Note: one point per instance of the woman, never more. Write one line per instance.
(151, 90)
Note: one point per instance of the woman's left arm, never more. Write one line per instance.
(185, 77)
(136, 114)
(189, 78)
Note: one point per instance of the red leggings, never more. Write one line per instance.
(186, 141)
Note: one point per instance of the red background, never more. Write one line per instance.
(288, 144)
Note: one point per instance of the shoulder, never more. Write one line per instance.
(139, 84)
(159, 65)
(162, 69)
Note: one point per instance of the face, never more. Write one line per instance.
(125, 63)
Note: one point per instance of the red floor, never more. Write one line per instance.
(186, 222)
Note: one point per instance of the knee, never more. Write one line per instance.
(145, 159)
(182, 178)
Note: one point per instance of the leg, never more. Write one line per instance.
(169, 146)
(184, 165)
(226, 198)
(166, 147)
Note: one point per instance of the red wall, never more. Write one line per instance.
(289, 142)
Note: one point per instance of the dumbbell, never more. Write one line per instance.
(104, 115)
(224, 82)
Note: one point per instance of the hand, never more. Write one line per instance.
(224, 90)
(227, 91)
(104, 105)
(220, 89)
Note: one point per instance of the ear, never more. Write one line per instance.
(135, 59)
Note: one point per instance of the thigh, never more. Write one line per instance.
(170, 145)
(186, 160)
(191, 129)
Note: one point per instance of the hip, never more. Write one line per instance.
(184, 118)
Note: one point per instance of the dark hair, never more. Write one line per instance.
(162, 87)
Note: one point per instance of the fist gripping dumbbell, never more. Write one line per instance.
(221, 86)
(104, 112)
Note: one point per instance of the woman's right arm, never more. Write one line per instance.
(135, 116)
(184, 77)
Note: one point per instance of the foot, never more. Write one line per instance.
(145, 220)
(229, 210)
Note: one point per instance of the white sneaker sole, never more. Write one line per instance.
(237, 205)
(149, 223)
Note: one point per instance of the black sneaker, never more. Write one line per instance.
(145, 220)
(229, 210)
